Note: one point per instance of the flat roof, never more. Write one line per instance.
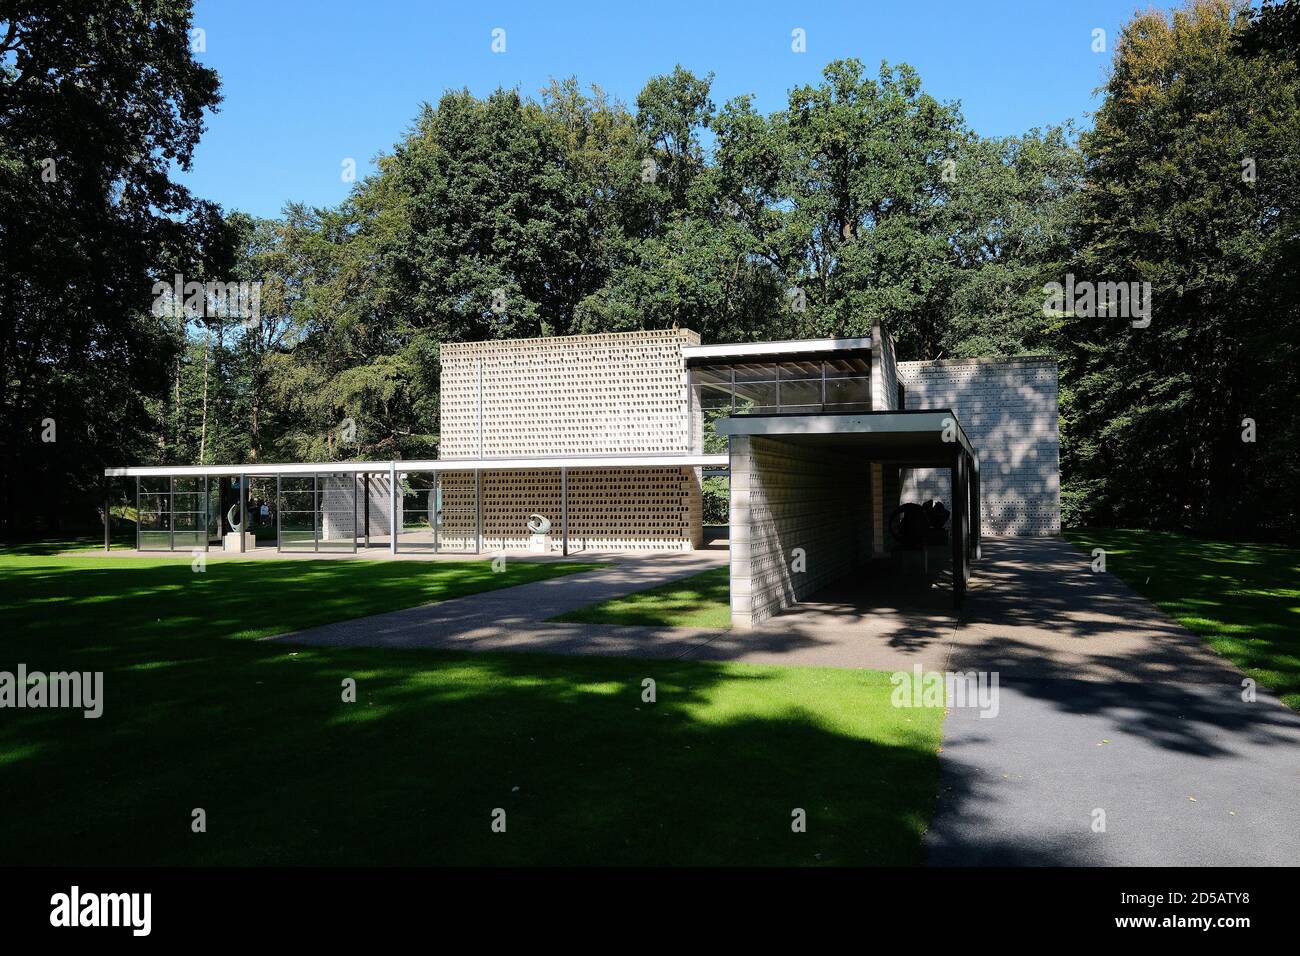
(534, 463)
(897, 436)
(790, 347)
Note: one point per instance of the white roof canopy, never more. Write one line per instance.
(549, 462)
(758, 349)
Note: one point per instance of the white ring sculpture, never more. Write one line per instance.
(539, 524)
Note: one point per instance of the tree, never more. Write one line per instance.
(1191, 187)
(863, 173)
(1011, 218)
(98, 100)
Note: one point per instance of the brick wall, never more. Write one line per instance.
(622, 392)
(1008, 409)
(884, 370)
(786, 497)
(614, 509)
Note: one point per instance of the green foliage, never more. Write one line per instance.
(864, 199)
(99, 100)
(717, 499)
(1193, 179)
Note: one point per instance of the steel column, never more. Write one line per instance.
(279, 508)
(564, 510)
(315, 513)
(107, 492)
(243, 510)
(478, 511)
(392, 507)
(960, 506)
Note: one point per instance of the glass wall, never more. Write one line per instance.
(189, 513)
(318, 512)
(173, 513)
(769, 388)
(336, 499)
(153, 509)
(419, 511)
(297, 513)
(439, 512)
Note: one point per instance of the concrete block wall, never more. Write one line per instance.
(786, 497)
(336, 493)
(610, 509)
(884, 370)
(613, 393)
(1008, 409)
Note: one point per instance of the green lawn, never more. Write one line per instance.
(701, 600)
(1243, 599)
(256, 734)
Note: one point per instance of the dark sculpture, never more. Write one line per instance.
(913, 525)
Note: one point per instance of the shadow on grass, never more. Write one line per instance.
(701, 600)
(1243, 599)
(258, 736)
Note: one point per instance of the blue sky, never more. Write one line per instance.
(309, 83)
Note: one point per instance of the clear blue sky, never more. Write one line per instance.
(308, 83)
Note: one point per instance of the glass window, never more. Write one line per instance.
(848, 367)
(715, 398)
(756, 398)
(849, 391)
(711, 374)
(801, 394)
(755, 373)
(800, 371)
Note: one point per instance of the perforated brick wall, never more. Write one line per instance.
(622, 392)
(610, 509)
(337, 492)
(617, 393)
(1008, 409)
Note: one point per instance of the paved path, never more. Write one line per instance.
(515, 618)
(1104, 702)
(835, 631)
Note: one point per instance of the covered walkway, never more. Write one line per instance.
(811, 496)
(435, 506)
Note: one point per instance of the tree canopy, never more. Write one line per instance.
(863, 198)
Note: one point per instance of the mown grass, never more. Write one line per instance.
(1243, 599)
(256, 733)
(701, 600)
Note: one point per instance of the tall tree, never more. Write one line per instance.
(99, 100)
(1192, 188)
